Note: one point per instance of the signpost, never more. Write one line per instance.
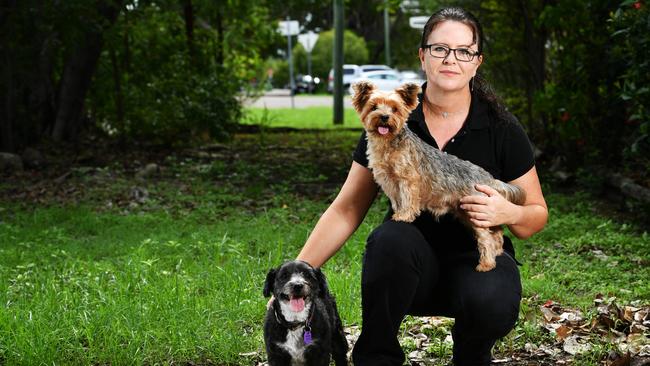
(418, 22)
(308, 40)
(290, 28)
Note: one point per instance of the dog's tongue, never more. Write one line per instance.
(382, 130)
(297, 304)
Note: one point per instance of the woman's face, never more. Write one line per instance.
(450, 74)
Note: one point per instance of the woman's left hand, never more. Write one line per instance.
(489, 211)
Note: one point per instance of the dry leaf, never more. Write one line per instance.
(575, 345)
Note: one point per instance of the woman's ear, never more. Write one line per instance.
(421, 55)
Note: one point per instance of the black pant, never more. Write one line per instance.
(404, 273)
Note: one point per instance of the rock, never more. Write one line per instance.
(33, 158)
(139, 195)
(10, 163)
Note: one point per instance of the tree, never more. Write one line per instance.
(158, 70)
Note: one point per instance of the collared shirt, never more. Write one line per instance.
(500, 147)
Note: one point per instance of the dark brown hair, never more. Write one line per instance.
(481, 87)
(456, 14)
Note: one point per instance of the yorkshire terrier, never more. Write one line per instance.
(416, 176)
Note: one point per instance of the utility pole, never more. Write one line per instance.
(338, 62)
(292, 82)
(386, 33)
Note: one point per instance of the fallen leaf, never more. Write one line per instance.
(575, 345)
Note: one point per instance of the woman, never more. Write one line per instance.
(427, 267)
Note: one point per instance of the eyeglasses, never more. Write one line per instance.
(441, 51)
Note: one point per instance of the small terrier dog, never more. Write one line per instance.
(416, 176)
(302, 325)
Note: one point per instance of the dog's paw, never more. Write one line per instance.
(485, 266)
(403, 216)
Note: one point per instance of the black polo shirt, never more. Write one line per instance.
(499, 146)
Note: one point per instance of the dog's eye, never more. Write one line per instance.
(374, 108)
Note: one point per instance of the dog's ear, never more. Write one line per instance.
(268, 284)
(322, 283)
(362, 91)
(409, 94)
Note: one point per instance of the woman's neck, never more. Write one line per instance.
(442, 102)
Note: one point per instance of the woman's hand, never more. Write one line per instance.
(268, 304)
(489, 211)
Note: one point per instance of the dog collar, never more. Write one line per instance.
(306, 336)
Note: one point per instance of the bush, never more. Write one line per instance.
(163, 96)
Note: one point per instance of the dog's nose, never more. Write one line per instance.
(384, 118)
(297, 287)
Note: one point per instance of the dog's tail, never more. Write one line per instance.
(511, 192)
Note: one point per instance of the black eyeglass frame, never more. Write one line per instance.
(449, 49)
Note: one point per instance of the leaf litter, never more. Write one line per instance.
(427, 340)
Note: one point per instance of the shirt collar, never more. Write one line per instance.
(477, 118)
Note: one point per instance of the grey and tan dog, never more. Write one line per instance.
(416, 176)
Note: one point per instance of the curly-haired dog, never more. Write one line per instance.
(302, 326)
(416, 176)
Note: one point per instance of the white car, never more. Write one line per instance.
(368, 68)
(409, 76)
(385, 80)
(349, 72)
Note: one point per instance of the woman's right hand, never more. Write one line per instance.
(268, 305)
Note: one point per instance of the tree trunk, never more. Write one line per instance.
(534, 41)
(188, 13)
(7, 119)
(42, 101)
(77, 75)
(219, 27)
(117, 83)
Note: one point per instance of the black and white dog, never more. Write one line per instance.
(302, 325)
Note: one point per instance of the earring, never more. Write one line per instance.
(471, 82)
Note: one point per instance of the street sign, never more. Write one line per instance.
(410, 6)
(289, 28)
(418, 22)
(308, 40)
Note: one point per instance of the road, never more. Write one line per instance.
(280, 98)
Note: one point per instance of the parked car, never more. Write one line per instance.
(349, 72)
(368, 68)
(410, 76)
(384, 79)
(305, 84)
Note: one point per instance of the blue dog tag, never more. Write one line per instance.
(307, 337)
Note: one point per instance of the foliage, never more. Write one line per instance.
(170, 95)
(39, 40)
(577, 96)
(630, 25)
(165, 71)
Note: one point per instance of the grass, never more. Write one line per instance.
(177, 278)
(310, 117)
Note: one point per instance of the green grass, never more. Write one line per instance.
(311, 117)
(178, 278)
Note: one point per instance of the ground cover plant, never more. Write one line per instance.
(108, 259)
